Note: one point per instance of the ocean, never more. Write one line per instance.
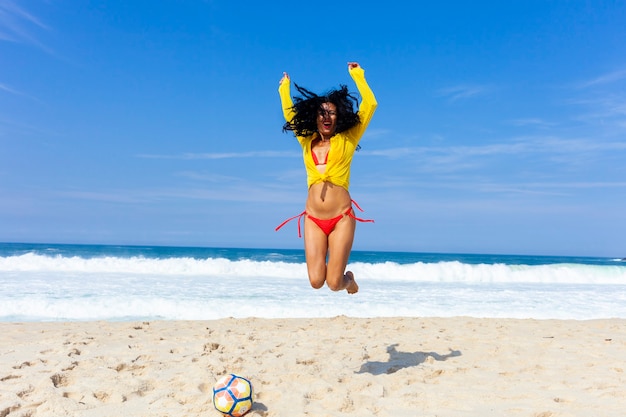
(50, 282)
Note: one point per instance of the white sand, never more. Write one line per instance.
(316, 367)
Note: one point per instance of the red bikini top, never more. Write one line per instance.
(315, 157)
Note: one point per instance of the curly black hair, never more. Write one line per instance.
(307, 108)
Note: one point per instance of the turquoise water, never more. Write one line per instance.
(41, 282)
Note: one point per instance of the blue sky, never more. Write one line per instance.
(501, 125)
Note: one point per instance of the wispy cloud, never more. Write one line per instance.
(532, 144)
(373, 134)
(18, 25)
(532, 122)
(117, 196)
(604, 79)
(603, 107)
(545, 188)
(223, 155)
(10, 90)
(245, 192)
(603, 102)
(393, 153)
(460, 92)
(580, 185)
(523, 156)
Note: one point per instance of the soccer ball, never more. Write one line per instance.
(232, 395)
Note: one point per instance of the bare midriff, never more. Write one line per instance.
(327, 200)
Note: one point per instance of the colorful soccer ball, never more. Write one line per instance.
(232, 395)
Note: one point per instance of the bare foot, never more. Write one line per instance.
(352, 287)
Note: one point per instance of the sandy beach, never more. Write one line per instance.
(316, 367)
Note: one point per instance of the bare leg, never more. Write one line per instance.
(339, 247)
(315, 250)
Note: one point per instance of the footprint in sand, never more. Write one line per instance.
(59, 380)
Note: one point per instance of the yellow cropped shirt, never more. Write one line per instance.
(342, 145)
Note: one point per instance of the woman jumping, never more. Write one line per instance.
(329, 131)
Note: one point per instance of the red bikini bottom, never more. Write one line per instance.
(327, 225)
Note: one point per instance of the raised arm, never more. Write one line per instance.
(284, 90)
(368, 101)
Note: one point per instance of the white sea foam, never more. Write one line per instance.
(213, 267)
(452, 271)
(497, 273)
(42, 287)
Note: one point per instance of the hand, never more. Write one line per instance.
(285, 77)
(352, 65)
